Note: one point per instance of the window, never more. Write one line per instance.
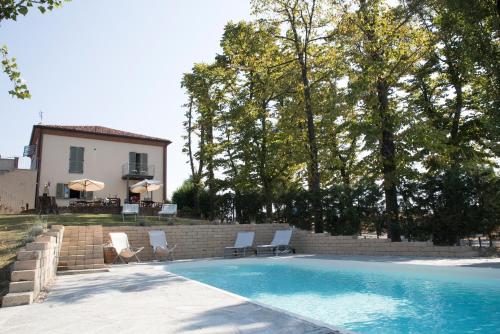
(138, 163)
(63, 191)
(76, 160)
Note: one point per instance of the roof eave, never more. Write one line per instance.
(38, 126)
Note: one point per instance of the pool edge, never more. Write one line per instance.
(275, 309)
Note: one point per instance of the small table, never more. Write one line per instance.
(109, 254)
(147, 203)
(112, 201)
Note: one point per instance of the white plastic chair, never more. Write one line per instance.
(167, 210)
(158, 241)
(279, 245)
(119, 241)
(130, 209)
(244, 241)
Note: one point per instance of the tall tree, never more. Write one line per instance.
(194, 132)
(386, 47)
(253, 55)
(203, 86)
(456, 90)
(304, 24)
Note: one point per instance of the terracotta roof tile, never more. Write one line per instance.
(95, 129)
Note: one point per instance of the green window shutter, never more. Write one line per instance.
(144, 163)
(132, 162)
(60, 190)
(76, 155)
(81, 152)
(72, 153)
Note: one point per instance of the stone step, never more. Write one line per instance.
(84, 271)
(25, 286)
(80, 258)
(82, 266)
(82, 248)
(23, 275)
(17, 298)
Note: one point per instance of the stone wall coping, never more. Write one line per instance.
(34, 268)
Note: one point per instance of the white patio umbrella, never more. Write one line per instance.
(146, 186)
(85, 185)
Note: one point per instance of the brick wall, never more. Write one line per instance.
(310, 243)
(202, 241)
(194, 241)
(35, 267)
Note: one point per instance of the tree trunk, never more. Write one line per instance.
(210, 172)
(388, 155)
(196, 199)
(237, 206)
(457, 86)
(301, 50)
(266, 184)
(314, 175)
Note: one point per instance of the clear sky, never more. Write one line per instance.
(115, 63)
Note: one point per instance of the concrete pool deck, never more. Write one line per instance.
(145, 298)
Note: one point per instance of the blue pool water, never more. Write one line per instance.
(365, 297)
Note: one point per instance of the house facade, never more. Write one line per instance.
(60, 154)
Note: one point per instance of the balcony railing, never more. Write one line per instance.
(137, 171)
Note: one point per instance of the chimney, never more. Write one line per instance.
(16, 162)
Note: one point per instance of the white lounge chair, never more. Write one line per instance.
(158, 241)
(119, 241)
(279, 245)
(130, 209)
(168, 210)
(244, 241)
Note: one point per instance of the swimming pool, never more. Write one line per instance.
(365, 297)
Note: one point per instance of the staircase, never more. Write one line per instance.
(82, 248)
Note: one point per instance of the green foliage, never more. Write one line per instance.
(9, 66)
(352, 116)
(34, 231)
(184, 197)
(10, 10)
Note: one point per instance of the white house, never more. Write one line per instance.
(60, 154)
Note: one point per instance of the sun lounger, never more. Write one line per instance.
(168, 210)
(158, 241)
(244, 242)
(119, 241)
(279, 245)
(130, 209)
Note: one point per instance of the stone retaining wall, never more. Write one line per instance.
(35, 267)
(203, 241)
(310, 243)
(194, 241)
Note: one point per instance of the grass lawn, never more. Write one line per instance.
(15, 228)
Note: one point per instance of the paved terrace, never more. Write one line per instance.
(144, 298)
